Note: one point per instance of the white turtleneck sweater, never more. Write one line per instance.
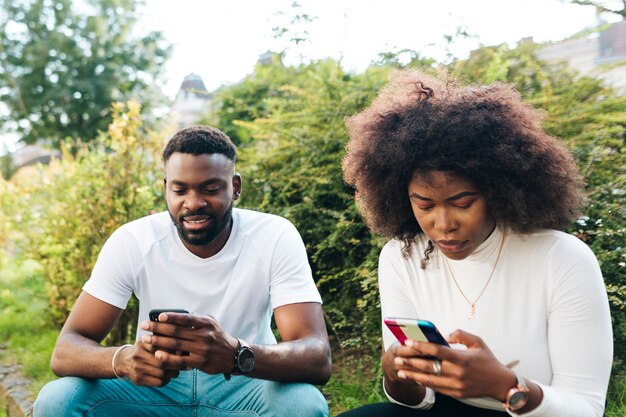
(546, 306)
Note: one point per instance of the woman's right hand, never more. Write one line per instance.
(403, 390)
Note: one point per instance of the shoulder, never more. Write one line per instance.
(143, 232)
(251, 222)
(550, 242)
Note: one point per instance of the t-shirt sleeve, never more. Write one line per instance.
(291, 280)
(112, 276)
(579, 334)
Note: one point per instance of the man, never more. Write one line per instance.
(231, 268)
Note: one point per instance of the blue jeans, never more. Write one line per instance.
(192, 394)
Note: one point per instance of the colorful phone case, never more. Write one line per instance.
(420, 330)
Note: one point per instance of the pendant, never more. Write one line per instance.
(472, 312)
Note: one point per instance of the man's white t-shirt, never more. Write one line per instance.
(262, 266)
(546, 306)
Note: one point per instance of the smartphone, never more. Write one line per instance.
(154, 313)
(420, 330)
(154, 316)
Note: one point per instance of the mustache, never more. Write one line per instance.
(194, 213)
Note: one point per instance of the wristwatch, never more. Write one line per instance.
(244, 358)
(517, 397)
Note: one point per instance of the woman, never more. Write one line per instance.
(472, 193)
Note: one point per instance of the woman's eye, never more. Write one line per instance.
(424, 208)
(464, 205)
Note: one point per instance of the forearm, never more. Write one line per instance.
(303, 360)
(75, 355)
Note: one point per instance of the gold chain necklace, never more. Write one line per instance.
(473, 303)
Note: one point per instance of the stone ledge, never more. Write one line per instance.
(15, 390)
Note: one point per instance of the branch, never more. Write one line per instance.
(601, 7)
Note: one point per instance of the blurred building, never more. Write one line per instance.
(192, 101)
(600, 54)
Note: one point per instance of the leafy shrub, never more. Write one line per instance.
(78, 201)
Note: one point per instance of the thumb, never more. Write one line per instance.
(467, 339)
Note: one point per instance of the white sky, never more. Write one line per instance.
(221, 40)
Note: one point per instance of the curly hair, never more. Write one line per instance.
(198, 140)
(486, 134)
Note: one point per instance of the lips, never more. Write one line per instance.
(195, 223)
(451, 245)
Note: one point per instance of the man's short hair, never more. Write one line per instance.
(198, 140)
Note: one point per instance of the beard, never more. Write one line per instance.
(205, 236)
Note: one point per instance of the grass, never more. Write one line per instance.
(23, 326)
(356, 380)
(29, 340)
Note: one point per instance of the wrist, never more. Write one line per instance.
(115, 360)
(517, 396)
(508, 381)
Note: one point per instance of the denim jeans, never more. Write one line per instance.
(192, 394)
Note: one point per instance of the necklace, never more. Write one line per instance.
(473, 303)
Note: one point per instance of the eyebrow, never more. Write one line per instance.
(452, 198)
(200, 185)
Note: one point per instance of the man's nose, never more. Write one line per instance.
(195, 201)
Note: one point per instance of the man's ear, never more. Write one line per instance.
(236, 186)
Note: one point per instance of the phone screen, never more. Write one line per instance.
(420, 330)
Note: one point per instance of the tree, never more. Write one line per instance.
(611, 6)
(64, 63)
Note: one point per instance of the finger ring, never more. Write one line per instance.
(437, 367)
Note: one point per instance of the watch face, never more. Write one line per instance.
(518, 400)
(245, 360)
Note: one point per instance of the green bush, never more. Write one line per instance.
(78, 201)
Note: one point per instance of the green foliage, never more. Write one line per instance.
(7, 168)
(616, 398)
(65, 62)
(79, 201)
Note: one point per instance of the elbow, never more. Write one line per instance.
(56, 364)
(324, 366)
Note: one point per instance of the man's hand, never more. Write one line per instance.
(139, 364)
(210, 348)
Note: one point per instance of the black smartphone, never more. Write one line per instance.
(154, 313)
(154, 316)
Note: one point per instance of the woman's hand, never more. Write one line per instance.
(474, 372)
